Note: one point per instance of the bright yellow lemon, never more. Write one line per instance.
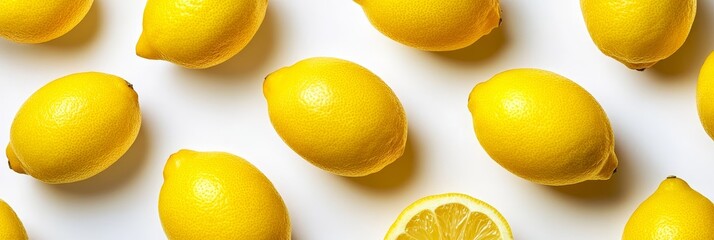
(639, 33)
(337, 115)
(441, 25)
(37, 21)
(74, 127)
(10, 226)
(199, 34)
(543, 127)
(219, 196)
(674, 212)
(705, 95)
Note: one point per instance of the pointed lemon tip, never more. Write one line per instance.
(143, 49)
(174, 162)
(270, 81)
(673, 182)
(13, 161)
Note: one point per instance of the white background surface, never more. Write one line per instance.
(653, 114)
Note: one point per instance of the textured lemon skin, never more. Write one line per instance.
(433, 201)
(639, 33)
(74, 127)
(198, 34)
(705, 95)
(216, 195)
(10, 226)
(433, 25)
(674, 212)
(543, 127)
(337, 115)
(36, 21)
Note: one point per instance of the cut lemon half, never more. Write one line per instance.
(450, 216)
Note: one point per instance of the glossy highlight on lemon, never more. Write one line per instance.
(543, 127)
(674, 211)
(450, 216)
(74, 127)
(219, 196)
(705, 95)
(198, 34)
(337, 115)
(11, 227)
(639, 33)
(37, 21)
(442, 25)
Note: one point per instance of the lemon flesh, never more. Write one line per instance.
(198, 34)
(74, 127)
(674, 211)
(10, 226)
(543, 127)
(443, 25)
(217, 195)
(450, 217)
(639, 33)
(37, 21)
(337, 115)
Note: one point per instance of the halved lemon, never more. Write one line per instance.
(451, 216)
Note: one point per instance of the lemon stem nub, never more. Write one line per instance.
(671, 176)
(13, 161)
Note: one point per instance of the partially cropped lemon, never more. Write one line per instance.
(37, 21)
(199, 34)
(639, 33)
(674, 212)
(705, 95)
(10, 226)
(543, 127)
(74, 127)
(216, 195)
(450, 216)
(337, 115)
(442, 25)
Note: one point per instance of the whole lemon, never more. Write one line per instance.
(37, 21)
(216, 195)
(674, 212)
(705, 95)
(639, 33)
(443, 25)
(74, 127)
(337, 115)
(199, 34)
(543, 127)
(10, 226)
